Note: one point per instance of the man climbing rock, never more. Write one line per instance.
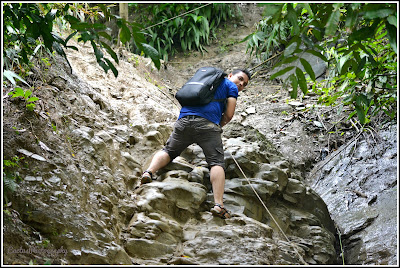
(203, 125)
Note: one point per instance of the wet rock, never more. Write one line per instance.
(362, 211)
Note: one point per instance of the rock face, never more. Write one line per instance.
(172, 219)
(359, 185)
(78, 188)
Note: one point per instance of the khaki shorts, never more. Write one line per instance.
(194, 129)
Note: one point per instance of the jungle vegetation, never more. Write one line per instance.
(358, 41)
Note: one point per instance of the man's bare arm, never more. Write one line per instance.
(229, 111)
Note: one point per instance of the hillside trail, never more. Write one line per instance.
(303, 131)
(299, 129)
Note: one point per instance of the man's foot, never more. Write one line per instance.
(147, 177)
(220, 211)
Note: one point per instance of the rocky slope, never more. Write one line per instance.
(78, 190)
(91, 135)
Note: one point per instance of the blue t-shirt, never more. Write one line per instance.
(213, 111)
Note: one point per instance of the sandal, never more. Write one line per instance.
(147, 177)
(222, 213)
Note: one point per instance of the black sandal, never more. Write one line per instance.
(223, 213)
(146, 178)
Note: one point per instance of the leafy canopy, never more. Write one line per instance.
(25, 24)
(358, 41)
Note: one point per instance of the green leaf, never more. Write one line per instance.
(18, 92)
(10, 75)
(86, 36)
(59, 50)
(380, 13)
(70, 36)
(32, 99)
(392, 36)
(333, 23)
(308, 68)
(206, 26)
(125, 34)
(361, 34)
(112, 67)
(272, 9)
(30, 106)
(139, 39)
(345, 66)
(196, 36)
(351, 115)
(105, 35)
(183, 45)
(361, 65)
(292, 18)
(72, 20)
(301, 80)
(281, 72)
(317, 54)
(103, 65)
(80, 26)
(351, 18)
(153, 54)
(66, 7)
(290, 49)
(309, 43)
(360, 114)
(110, 51)
(97, 52)
(258, 36)
(73, 47)
(293, 80)
(286, 61)
(98, 26)
(27, 94)
(308, 8)
(392, 20)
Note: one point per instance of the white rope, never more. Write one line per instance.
(176, 16)
(272, 217)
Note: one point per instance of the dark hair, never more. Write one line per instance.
(247, 72)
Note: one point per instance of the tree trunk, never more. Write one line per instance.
(123, 12)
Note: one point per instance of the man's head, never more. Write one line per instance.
(240, 77)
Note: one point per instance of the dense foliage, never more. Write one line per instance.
(29, 38)
(357, 40)
(27, 27)
(173, 26)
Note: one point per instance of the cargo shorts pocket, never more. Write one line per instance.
(208, 126)
(180, 124)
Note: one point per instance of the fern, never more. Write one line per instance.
(9, 183)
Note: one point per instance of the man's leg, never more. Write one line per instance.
(217, 178)
(160, 160)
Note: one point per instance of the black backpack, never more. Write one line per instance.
(200, 89)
